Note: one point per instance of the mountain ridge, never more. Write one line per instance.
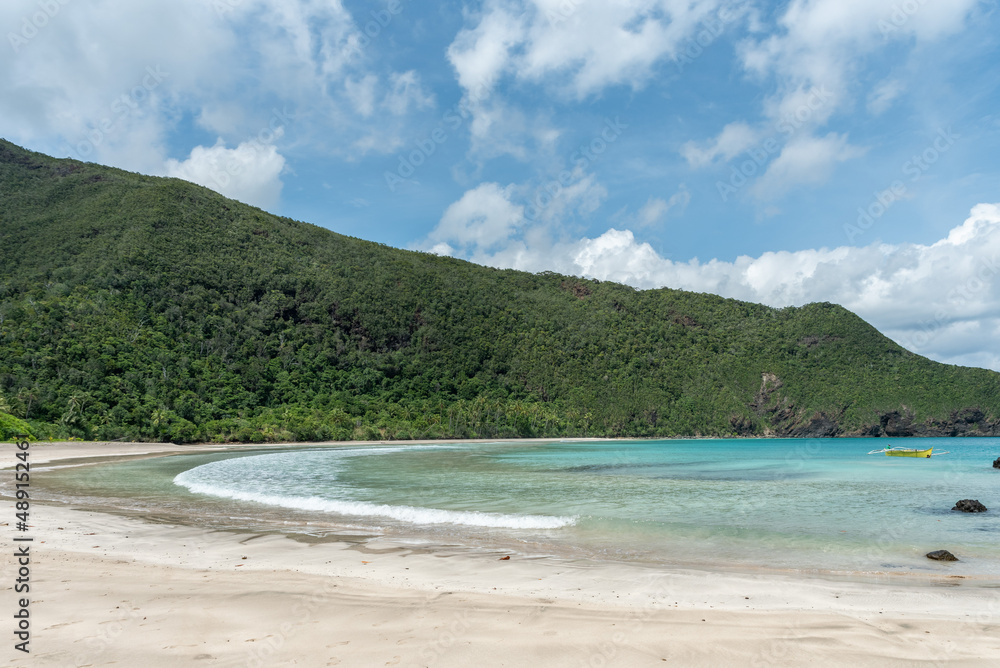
(149, 308)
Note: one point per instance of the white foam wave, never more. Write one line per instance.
(409, 514)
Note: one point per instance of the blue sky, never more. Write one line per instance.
(779, 152)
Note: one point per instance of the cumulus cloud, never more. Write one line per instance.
(491, 219)
(601, 44)
(804, 160)
(300, 46)
(481, 54)
(593, 45)
(733, 140)
(509, 225)
(250, 173)
(572, 47)
(808, 63)
(80, 86)
(940, 300)
(482, 218)
(821, 41)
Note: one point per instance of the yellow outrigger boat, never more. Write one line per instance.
(905, 452)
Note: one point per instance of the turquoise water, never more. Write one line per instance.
(822, 504)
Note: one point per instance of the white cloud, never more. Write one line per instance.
(490, 221)
(808, 64)
(575, 49)
(480, 55)
(941, 300)
(882, 97)
(587, 45)
(555, 202)
(300, 45)
(656, 209)
(483, 217)
(822, 41)
(369, 96)
(653, 211)
(601, 44)
(733, 140)
(361, 93)
(804, 160)
(405, 92)
(441, 248)
(250, 173)
(81, 85)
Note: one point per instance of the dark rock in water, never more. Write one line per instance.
(970, 506)
(996, 463)
(941, 555)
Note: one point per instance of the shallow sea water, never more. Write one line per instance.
(821, 505)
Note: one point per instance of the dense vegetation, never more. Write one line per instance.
(146, 308)
(10, 426)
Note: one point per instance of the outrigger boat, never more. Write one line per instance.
(905, 452)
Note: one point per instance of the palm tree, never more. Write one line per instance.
(26, 396)
(74, 410)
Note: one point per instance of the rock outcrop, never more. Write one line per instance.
(970, 506)
(902, 423)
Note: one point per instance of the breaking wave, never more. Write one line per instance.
(241, 479)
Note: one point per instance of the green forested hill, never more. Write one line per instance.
(149, 308)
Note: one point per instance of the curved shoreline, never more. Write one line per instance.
(67, 455)
(197, 594)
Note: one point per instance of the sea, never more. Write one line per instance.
(824, 506)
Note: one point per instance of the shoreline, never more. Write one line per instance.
(103, 577)
(290, 524)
